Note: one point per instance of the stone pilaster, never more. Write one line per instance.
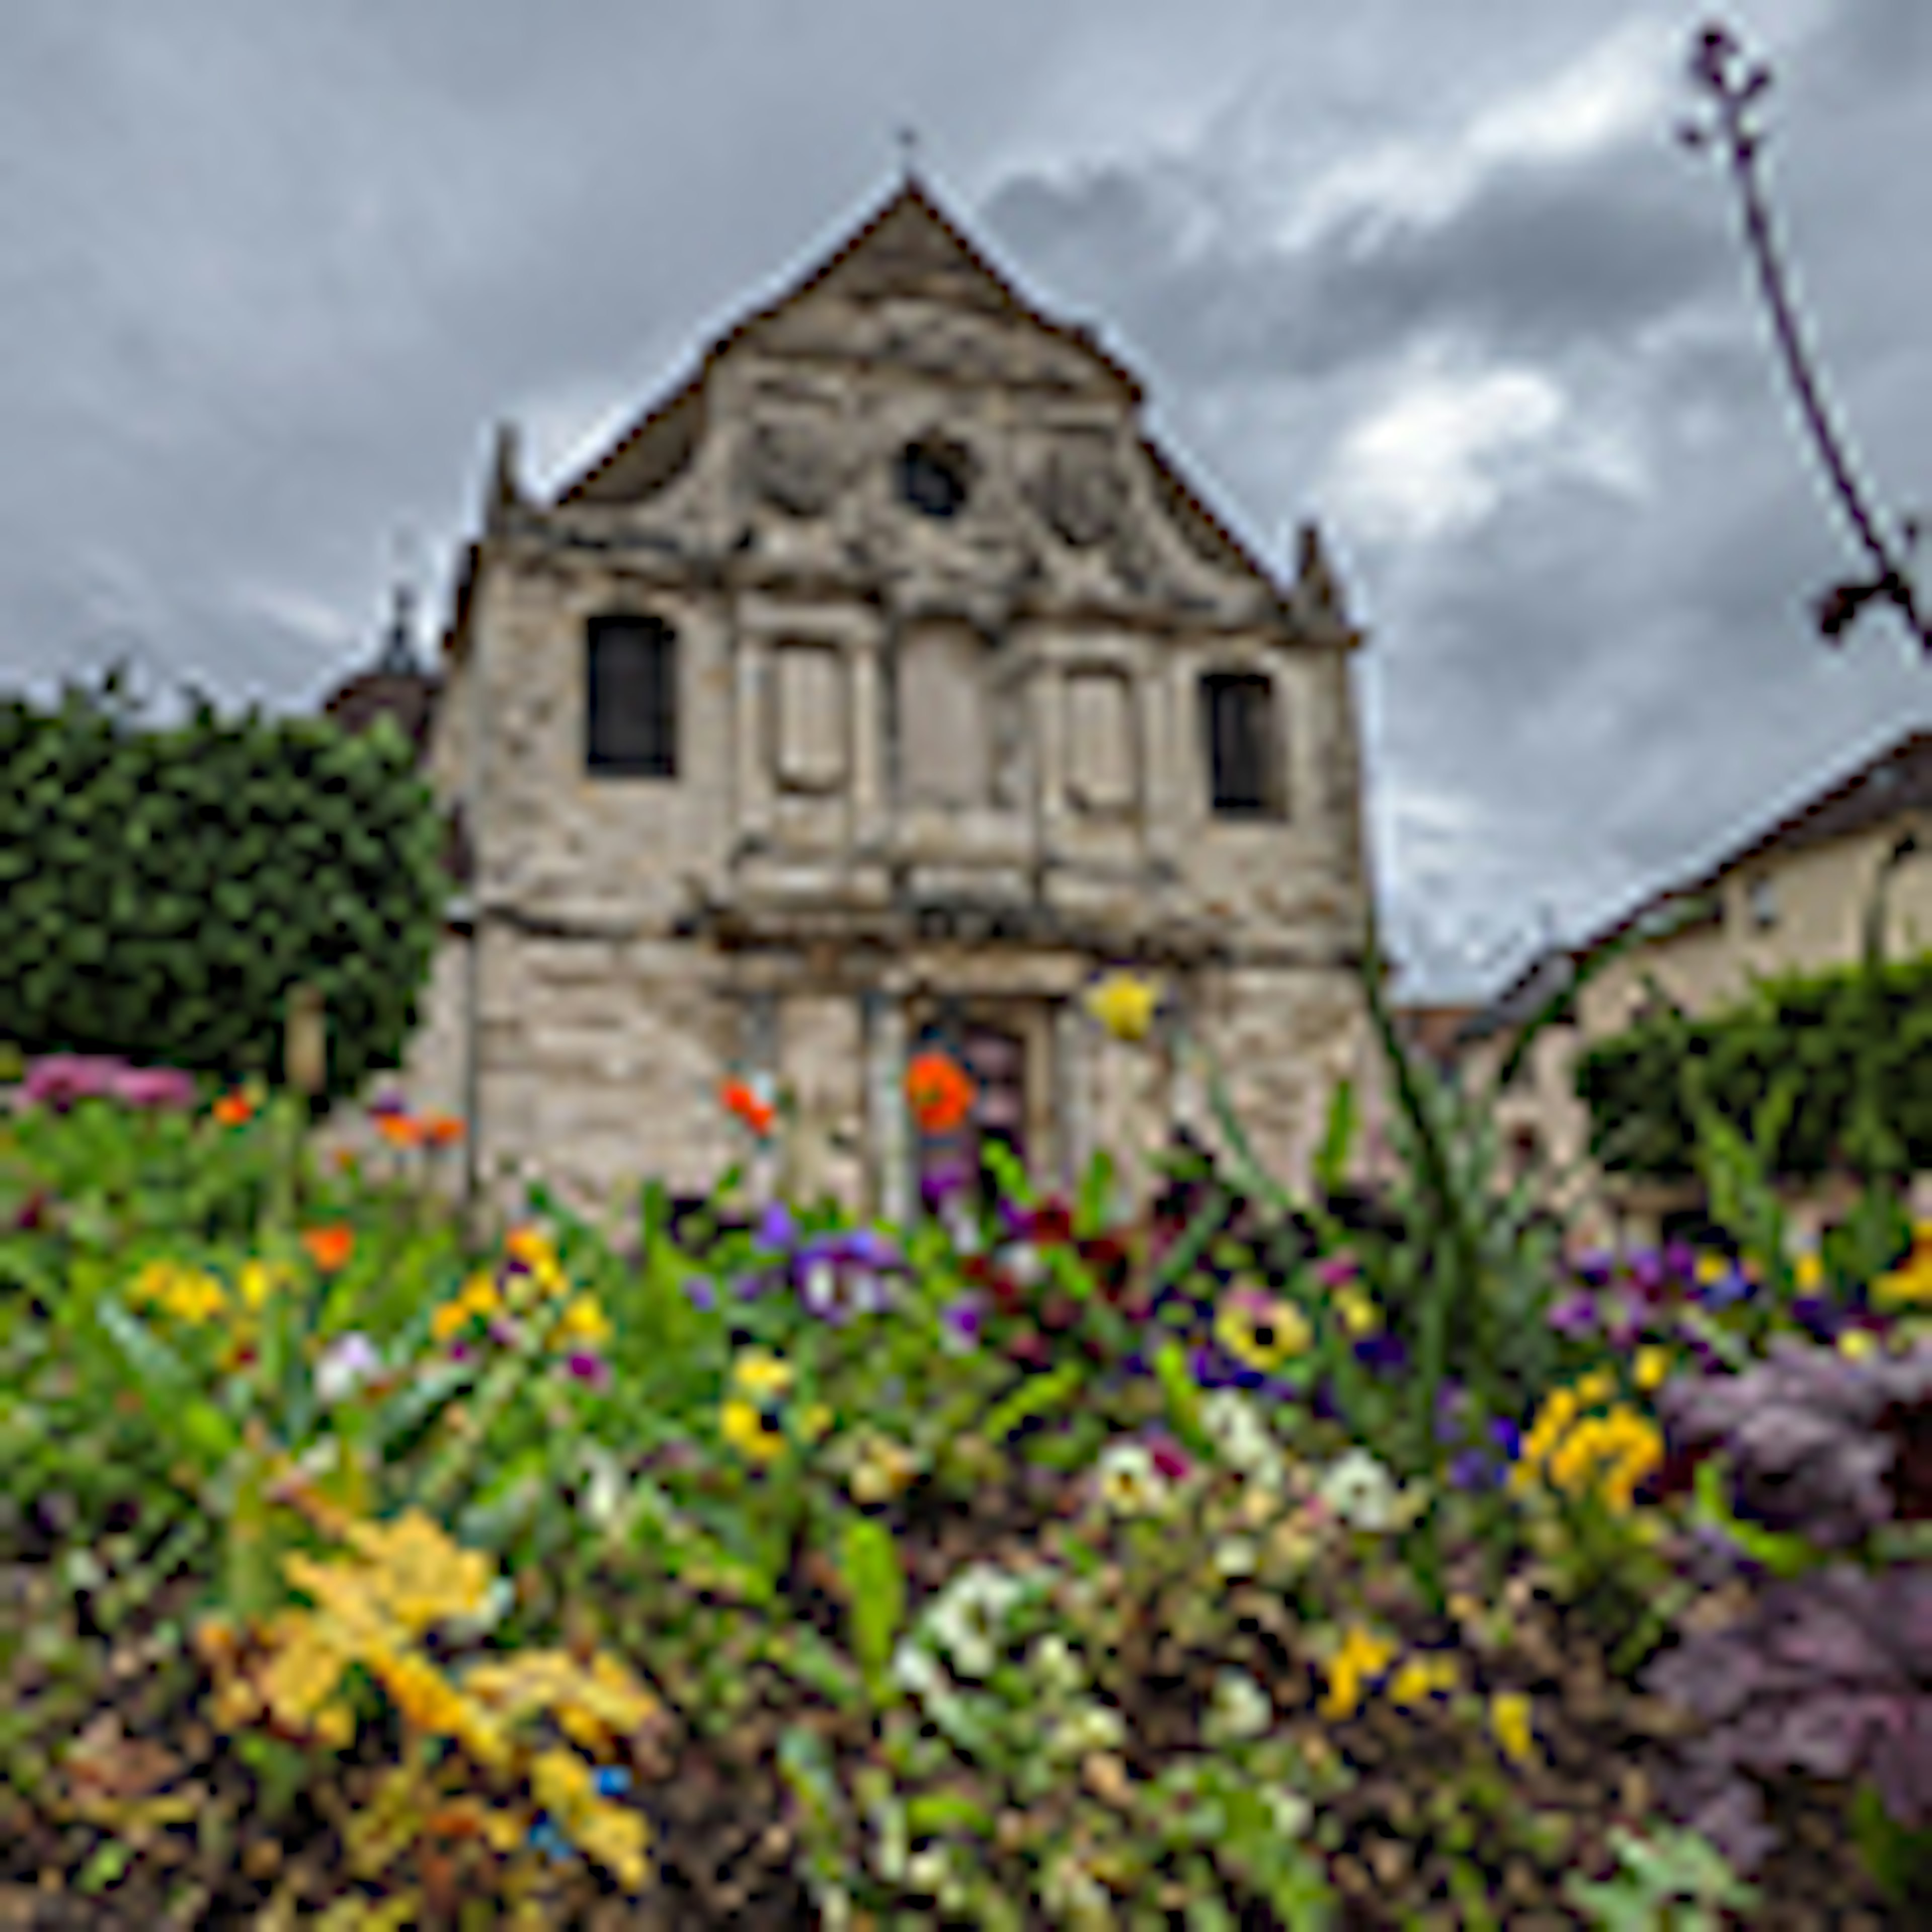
(759, 1045)
(1073, 1077)
(888, 1151)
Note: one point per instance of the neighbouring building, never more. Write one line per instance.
(1791, 897)
(881, 687)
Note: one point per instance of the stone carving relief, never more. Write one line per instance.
(792, 467)
(808, 730)
(1080, 492)
(1101, 765)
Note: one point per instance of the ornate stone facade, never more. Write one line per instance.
(941, 615)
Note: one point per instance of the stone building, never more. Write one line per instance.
(881, 686)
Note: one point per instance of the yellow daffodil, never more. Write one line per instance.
(1362, 1656)
(758, 1373)
(1124, 1003)
(1510, 1719)
(750, 1430)
(1261, 1330)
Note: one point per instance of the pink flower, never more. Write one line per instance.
(60, 1079)
(155, 1086)
(1332, 1270)
(586, 1367)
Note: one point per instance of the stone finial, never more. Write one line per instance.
(1316, 583)
(505, 494)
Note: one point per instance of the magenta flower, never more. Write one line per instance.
(959, 1322)
(1575, 1315)
(155, 1086)
(584, 1367)
(1169, 1458)
(60, 1079)
(1332, 1270)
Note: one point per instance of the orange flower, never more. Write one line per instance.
(329, 1248)
(441, 1129)
(940, 1090)
(756, 1114)
(234, 1109)
(399, 1129)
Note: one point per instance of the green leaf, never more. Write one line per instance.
(933, 1812)
(1338, 1139)
(869, 1565)
(1036, 1397)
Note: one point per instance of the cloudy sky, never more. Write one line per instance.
(1431, 270)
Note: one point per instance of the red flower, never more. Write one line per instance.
(234, 1110)
(1028, 1347)
(329, 1248)
(742, 1100)
(1050, 1225)
(940, 1091)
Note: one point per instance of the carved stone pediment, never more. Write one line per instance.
(1079, 491)
(795, 468)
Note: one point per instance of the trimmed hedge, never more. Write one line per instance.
(1820, 1036)
(164, 890)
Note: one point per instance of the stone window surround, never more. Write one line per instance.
(614, 608)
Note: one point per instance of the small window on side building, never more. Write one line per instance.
(1762, 898)
(631, 697)
(1237, 723)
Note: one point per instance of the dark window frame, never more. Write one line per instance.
(630, 696)
(1241, 745)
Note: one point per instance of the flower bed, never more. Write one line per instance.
(1229, 1566)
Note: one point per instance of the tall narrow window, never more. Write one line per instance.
(631, 697)
(1238, 720)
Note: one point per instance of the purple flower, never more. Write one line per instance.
(1681, 1259)
(959, 1323)
(1472, 1470)
(943, 1180)
(461, 1351)
(872, 1248)
(1575, 1315)
(155, 1086)
(1449, 1401)
(60, 1079)
(586, 1367)
(1507, 1436)
(389, 1101)
(1170, 1459)
(1332, 1270)
(1384, 1353)
(700, 1292)
(749, 1287)
(776, 1228)
(1733, 1285)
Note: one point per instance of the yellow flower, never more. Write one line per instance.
(1596, 1387)
(257, 1281)
(1711, 1268)
(423, 1695)
(1911, 1284)
(1262, 1330)
(1651, 1367)
(616, 1838)
(1509, 1718)
(447, 1319)
(882, 1469)
(1808, 1271)
(1420, 1677)
(193, 1296)
(334, 1727)
(563, 1782)
(1124, 1003)
(530, 1246)
(419, 1572)
(815, 1421)
(750, 1430)
(1357, 1308)
(1362, 1655)
(1855, 1344)
(301, 1678)
(583, 1321)
(759, 1373)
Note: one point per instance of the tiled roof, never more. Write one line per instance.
(408, 696)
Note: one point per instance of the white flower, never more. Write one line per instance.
(929, 1872)
(1056, 1666)
(1236, 1429)
(605, 1493)
(1360, 1491)
(889, 1861)
(346, 1363)
(1130, 1484)
(1241, 1709)
(1292, 1811)
(969, 1613)
(1235, 1556)
(915, 1671)
(1024, 1264)
(1088, 1727)
(1071, 1890)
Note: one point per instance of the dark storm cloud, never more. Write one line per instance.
(268, 274)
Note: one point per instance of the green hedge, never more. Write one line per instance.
(1819, 1035)
(164, 889)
